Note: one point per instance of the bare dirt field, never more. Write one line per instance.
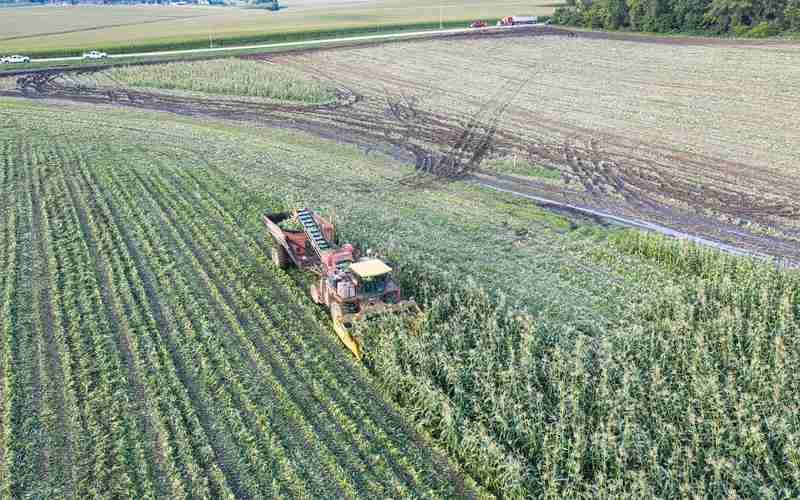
(699, 136)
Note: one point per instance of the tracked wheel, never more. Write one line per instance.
(279, 257)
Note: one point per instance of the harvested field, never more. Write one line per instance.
(635, 130)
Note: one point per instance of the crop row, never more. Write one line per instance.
(8, 252)
(184, 450)
(23, 384)
(110, 439)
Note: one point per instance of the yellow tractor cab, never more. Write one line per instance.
(372, 276)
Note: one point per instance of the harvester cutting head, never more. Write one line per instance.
(354, 289)
(376, 295)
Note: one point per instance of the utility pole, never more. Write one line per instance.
(210, 42)
(441, 24)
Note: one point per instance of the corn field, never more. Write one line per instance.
(149, 349)
(690, 395)
(235, 77)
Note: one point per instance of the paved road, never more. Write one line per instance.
(364, 38)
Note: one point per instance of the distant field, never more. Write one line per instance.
(54, 30)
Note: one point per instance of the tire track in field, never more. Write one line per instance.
(83, 364)
(147, 420)
(26, 390)
(119, 327)
(75, 400)
(198, 324)
(148, 345)
(248, 322)
(6, 327)
(105, 313)
(210, 392)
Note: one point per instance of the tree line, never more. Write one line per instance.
(750, 18)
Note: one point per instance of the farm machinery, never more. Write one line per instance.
(353, 288)
(517, 20)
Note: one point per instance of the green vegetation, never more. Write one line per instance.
(606, 363)
(690, 392)
(150, 350)
(228, 77)
(753, 19)
(521, 167)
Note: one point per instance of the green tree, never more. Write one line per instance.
(730, 14)
(792, 15)
(637, 13)
(689, 14)
(616, 14)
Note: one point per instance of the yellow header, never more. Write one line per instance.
(370, 268)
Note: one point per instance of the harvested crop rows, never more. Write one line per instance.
(151, 351)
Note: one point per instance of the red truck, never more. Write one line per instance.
(517, 20)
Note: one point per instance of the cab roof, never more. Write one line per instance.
(370, 268)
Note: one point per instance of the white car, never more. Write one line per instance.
(15, 59)
(94, 55)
